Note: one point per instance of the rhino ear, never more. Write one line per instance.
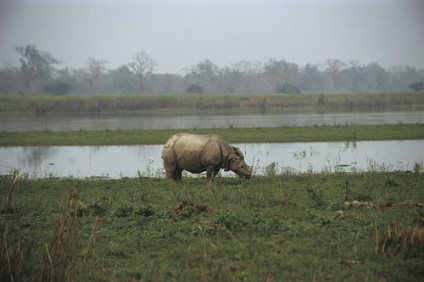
(168, 156)
(238, 153)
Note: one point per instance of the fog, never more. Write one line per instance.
(178, 34)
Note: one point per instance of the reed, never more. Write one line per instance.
(397, 237)
(7, 206)
(63, 249)
(78, 104)
(12, 247)
(16, 252)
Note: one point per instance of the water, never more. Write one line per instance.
(120, 161)
(25, 123)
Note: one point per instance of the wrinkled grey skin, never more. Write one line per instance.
(198, 153)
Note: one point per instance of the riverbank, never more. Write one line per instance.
(329, 226)
(232, 135)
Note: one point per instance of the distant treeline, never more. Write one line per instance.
(41, 73)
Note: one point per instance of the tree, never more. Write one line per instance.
(311, 79)
(122, 80)
(96, 68)
(246, 72)
(142, 66)
(377, 77)
(204, 73)
(281, 72)
(36, 65)
(206, 68)
(354, 72)
(11, 80)
(333, 67)
(401, 77)
(417, 86)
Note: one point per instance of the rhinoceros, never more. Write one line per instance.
(199, 153)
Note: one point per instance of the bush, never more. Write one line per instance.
(417, 86)
(58, 88)
(195, 89)
(288, 89)
(230, 221)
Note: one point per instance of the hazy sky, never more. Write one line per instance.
(181, 33)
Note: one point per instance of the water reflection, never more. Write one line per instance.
(22, 123)
(119, 161)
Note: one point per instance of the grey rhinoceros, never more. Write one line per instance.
(199, 153)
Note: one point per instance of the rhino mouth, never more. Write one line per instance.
(245, 175)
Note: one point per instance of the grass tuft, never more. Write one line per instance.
(398, 238)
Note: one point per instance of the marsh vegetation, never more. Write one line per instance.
(254, 103)
(308, 226)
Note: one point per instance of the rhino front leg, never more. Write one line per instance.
(175, 175)
(211, 172)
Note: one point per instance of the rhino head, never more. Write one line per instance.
(237, 164)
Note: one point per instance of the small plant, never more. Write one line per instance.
(267, 225)
(230, 221)
(187, 212)
(146, 211)
(149, 172)
(316, 197)
(417, 168)
(187, 209)
(97, 208)
(271, 169)
(123, 211)
(94, 208)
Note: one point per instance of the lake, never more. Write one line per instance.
(58, 123)
(145, 160)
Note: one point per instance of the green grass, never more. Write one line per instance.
(232, 135)
(278, 227)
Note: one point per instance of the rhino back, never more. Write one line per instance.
(195, 152)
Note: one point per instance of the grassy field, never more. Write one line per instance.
(118, 104)
(364, 226)
(232, 135)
